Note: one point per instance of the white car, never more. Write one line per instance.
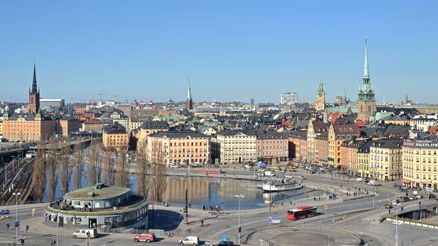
(85, 233)
(190, 240)
(359, 179)
(300, 177)
(269, 173)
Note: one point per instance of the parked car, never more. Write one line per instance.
(359, 179)
(269, 173)
(4, 212)
(388, 206)
(300, 177)
(145, 237)
(190, 240)
(85, 233)
(225, 241)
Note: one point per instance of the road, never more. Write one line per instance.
(353, 219)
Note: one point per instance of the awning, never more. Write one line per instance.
(405, 181)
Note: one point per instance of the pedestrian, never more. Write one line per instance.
(27, 228)
(7, 226)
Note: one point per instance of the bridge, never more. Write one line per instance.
(59, 145)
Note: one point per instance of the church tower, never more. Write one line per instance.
(189, 102)
(366, 103)
(34, 95)
(320, 98)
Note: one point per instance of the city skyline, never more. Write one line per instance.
(268, 50)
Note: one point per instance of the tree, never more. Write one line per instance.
(108, 167)
(65, 157)
(78, 157)
(38, 176)
(52, 176)
(122, 169)
(142, 174)
(93, 161)
(158, 182)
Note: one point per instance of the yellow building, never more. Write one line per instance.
(149, 128)
(28, 128)
(337, 134)
(420, 163)
(1, 127)
(91, 126)
(115, 137)
(386, 160)
(363, 159)
(178, 148)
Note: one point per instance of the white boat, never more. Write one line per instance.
(267, 187)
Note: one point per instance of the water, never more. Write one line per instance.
(202, 191)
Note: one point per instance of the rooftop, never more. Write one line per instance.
(96, 192)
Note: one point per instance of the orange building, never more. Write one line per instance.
(28, 128)
(115, 137)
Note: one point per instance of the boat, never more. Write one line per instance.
(276, 187)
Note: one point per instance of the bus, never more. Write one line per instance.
(301, 212)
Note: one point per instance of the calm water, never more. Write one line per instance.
(202, 191)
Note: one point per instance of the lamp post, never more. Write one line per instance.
(240, 229)
(57, 228)
(16, 213)
(396, 227)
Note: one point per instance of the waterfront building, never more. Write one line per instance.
(98, 205)
(149, 128)
(178, 147)
(321, 142)
(366, 103)
(420, 163)
(34, 95)
(294, 147)
(336, 135)
(320, 98)
(289, 98)
(115, 137)
(363, 159)
(28, 127)
(315, 128)
(386, 160)
(236, 147)
(272, 146)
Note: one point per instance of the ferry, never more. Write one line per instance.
(276, 187)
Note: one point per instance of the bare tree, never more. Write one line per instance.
(52, 176)
(78, 160)
(108, 167)
(38, 177)
(93, 161)
(65, 157)
(158, 182)
(122, 169)
(142, 174)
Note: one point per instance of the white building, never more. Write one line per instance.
(236, 147)
(289, 98)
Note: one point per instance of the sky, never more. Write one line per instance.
(231, 50)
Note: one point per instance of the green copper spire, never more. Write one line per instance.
(189, 92)
(321, 88)
(366, 72)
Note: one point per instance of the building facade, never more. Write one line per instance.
(237, 147)
(28, 128)
(34, 95)
(149, 128)
(272, 147)
(386, 160)
(170, 148)
(420, 163)
(289, 98)
(115, 137)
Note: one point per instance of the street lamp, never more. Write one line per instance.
(16, 213)
(57, 228)
(240, 229)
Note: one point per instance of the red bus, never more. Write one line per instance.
(301, 212)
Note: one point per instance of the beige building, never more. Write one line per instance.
(237, 147)
(68, 126)
(420, 163)
(28, 128)
(178, 148)
(272, 147)
(386, 160)
(115, 137)
(149, 128)
(337, 134)
(91, 126)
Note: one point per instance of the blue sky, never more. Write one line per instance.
(231, 50)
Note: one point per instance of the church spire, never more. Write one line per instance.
(189, 92)
(34, 81)
(366, 72)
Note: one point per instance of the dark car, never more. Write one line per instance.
(4, 212)
(225, 243)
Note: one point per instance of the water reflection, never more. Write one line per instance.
(201, 191)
